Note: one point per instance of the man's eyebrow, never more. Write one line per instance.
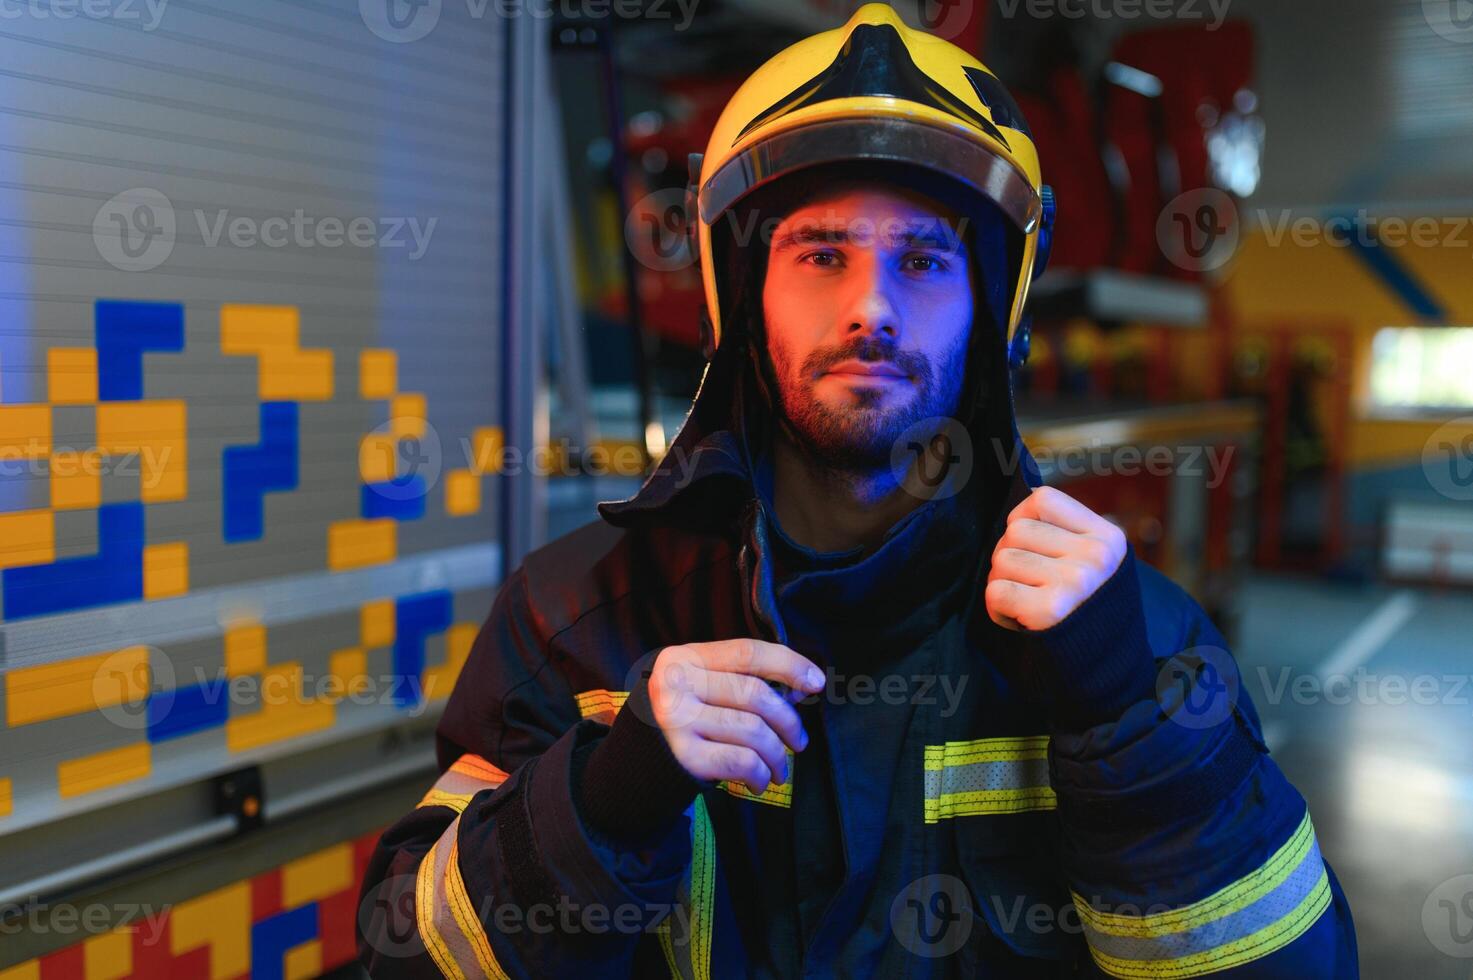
(810, 234)
(931, 233)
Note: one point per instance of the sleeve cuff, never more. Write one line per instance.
(629, 786)
(1097, 661)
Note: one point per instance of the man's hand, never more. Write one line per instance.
(1054, 554)
(719, 715)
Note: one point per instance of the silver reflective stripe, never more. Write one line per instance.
(987, 775)
(447, 920)
(1249, 919)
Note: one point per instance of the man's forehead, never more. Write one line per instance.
(865, 227)
(873, 198)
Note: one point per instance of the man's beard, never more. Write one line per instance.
(862, 436)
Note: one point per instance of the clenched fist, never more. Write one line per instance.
(1054, 554)
(719, 715)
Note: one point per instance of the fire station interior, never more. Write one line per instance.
(1252, 349)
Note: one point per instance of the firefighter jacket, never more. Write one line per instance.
(1091, 800)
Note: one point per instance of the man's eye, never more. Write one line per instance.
(824, 258)
(921, 262)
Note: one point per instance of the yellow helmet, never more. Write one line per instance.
(874, 89)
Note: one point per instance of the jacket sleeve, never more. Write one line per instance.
(497, 872)
(1186, 850)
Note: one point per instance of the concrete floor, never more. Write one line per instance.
(1384, 756)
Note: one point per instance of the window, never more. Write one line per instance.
(1422, 368)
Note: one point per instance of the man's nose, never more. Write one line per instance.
(871, 308)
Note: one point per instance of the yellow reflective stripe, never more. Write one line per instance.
(986, 776)
(1241, 922)
(776, 794)
(466, 777)
(702, 889)
(1234, 896)
(425, 908)
(979, 802)
(692, 960)
(446, 917)
(473, 766)
(600, 703)
(986, 750)
(466, 919)
(773, 795)
(663, 932)
(455, 801)
(1254, 946)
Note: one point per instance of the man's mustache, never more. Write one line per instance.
(870, 351)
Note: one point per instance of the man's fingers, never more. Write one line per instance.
(1036, 536)
(1003, 599)
(1032, 607)
(1020, 566)
(733, 727)
(720, 760)
(772, 661)
(1053, 506)
(748, 693)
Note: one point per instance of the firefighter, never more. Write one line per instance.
(842, 690)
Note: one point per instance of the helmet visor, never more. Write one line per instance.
(899, 140)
